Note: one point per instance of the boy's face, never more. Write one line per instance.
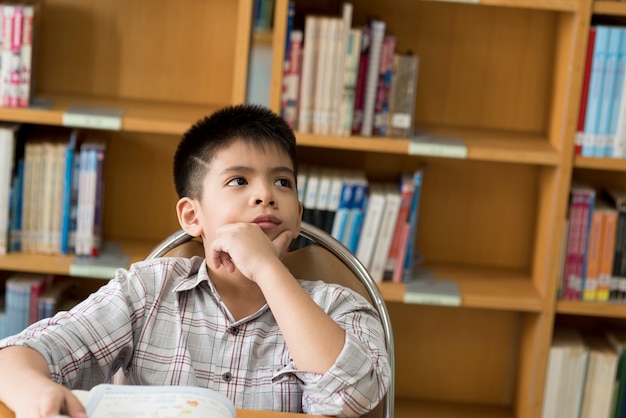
(247, 184)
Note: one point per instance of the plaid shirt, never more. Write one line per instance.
(163, 322)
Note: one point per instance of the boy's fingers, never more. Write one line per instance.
(282, 241)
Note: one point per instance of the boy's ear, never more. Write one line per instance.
(301, 210)
(188, 216)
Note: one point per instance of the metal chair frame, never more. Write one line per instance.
(328, 242)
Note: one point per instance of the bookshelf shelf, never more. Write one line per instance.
(611, 8)
(605, 164)
(411, 409)
(556, 5)
(482, 145)
(60, 264)
(597, 309)
(139, 115)
(483, 288)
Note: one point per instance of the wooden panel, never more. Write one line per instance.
(139, 191)
(166, 50)
(477, 213)
(484, 67)
(455, 354)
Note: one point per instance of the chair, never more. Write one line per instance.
(327, 259)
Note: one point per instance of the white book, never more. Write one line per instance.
(7, 151)
(137, 401)
(565, 379)
(599, 379)
(307, 80)
(371, 84)
(393, 201)
(57, 196)
(374, 212)
(24, 88)
(323, 73)
(347, 89)
(47, 197)
(340, 66)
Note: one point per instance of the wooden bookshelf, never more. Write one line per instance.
(503, 75)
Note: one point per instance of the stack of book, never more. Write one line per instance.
(602, 117)
(377, 221)
(594, 257)
(586, 374)
(31, 297)
(17, 23)
(51, 191)
(344, 80)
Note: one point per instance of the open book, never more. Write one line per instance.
(112, 401)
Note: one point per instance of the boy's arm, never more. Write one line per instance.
(26, 387)
(314, 339)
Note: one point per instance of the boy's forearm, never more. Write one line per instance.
(19, 366)
(314, 339)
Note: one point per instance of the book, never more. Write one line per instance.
(411, 257)
(608, 92)
(617, 339)
(374, 211)
(592, 254)
(403, 95)
(377, 30)
(385, 234)
(437, 146)
(596, 83)
(398, 244)
(308, 74)
(383, 90)
(617, 200)
(607, 251)
(350, 71)
(140, 401)
(430, 291)
(361, 80)
(599, 376)
(578, 142)
(7, 165)
(564, 381)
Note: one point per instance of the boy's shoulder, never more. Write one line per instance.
(167, 268)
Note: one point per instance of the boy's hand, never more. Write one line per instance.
(52, 399)
(246, 247)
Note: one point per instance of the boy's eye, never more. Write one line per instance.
(283, 182)
(238, 181)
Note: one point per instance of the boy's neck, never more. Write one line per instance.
(241, 296)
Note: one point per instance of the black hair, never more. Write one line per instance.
(255, 124)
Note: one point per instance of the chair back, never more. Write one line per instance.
(326, 260)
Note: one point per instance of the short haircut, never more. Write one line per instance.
(256, 125)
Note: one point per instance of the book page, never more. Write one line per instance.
(109, 401)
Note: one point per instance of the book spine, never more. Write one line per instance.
(590, 292)
(8, 13)
(350, 70)
(409, 260)
(585, 92)
(607, 94)
(596, 83)
(307, 82)
(581, 264)
(291, 80)
(15, 64)
(361, 80)
(606, 254)
(371, 83)
(402, 96)
(381, 107)
(371, 224)
(26, 56)
(385, 235)
(397, 246)
(96, 242)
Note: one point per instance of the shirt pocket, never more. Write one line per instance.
(276, 388)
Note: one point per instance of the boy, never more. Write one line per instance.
(237, 321)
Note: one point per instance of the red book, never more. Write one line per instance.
(585, 92)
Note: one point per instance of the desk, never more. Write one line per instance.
(241, 413)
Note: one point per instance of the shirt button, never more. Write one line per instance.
(234, 330)
(227, 377)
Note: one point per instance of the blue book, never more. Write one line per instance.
(620, 75)
(596, 83)
(15, 217)
(356, 214)
(67, 191)
(409, 260)
(340, 220)
(608, 91)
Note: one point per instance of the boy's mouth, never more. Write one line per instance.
(267, 222)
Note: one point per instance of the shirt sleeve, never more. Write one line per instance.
(82, 345)
(361, 375)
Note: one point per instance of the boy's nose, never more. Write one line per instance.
(261, 201)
